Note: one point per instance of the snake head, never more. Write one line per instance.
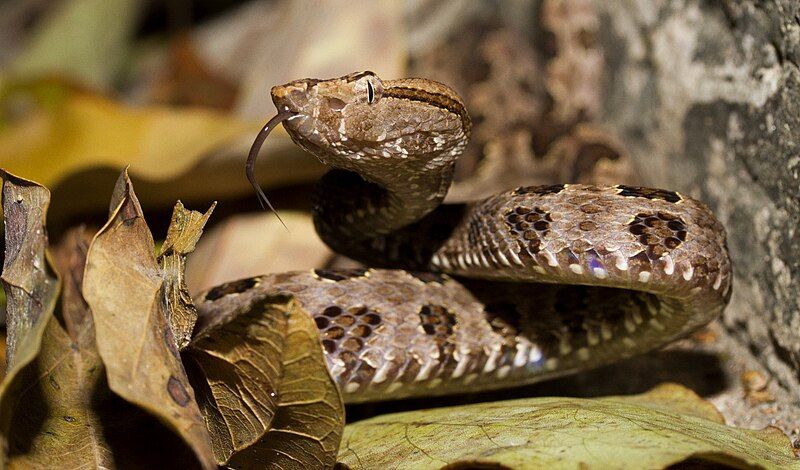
(360, 123)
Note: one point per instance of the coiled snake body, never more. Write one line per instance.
(548, 279)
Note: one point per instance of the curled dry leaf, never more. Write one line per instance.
(123, 287)
(184, 231)
(663, 427)
(69, 417)
(265, 390)
(30, 285)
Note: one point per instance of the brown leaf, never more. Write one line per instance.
(76, 142)
(30, 285)
(69, 258)
(57, 419)
(56, 425)
(69, 417)
(184, 231)
(265, 389)
(122, 286)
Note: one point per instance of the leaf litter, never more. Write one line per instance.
(102, 378)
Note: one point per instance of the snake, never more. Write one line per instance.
(526, 285)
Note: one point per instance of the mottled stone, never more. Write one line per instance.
(706, 95)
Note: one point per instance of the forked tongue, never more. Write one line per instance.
(251, 159)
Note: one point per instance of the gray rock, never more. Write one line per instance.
(706, 95)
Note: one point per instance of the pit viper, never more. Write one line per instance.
(531, 283)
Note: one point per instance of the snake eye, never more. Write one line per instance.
(368, 88)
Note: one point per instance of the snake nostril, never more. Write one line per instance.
(335, 104)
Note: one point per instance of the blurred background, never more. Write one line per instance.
(701, 97)
(177, 89)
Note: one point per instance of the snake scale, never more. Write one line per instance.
(528, 284)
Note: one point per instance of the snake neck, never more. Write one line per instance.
(348, 206)
(401, 138)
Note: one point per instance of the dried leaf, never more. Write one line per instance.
(122, 285)
(57, 424)
(64, 130)
(184, 231)
(665, 426)
(30, 285)
(57, 419)
(76, 142)
(69, 258)
(265, 389)
(69, 417)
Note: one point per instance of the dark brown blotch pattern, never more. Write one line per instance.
(235, 287)
(341, 274)
(437, 321)
(529, 226)
(660, 232)
(540, 190)
(344, 331)
(649, 193)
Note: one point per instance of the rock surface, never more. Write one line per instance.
(706, 97)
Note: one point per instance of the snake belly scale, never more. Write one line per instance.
(524, 285)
